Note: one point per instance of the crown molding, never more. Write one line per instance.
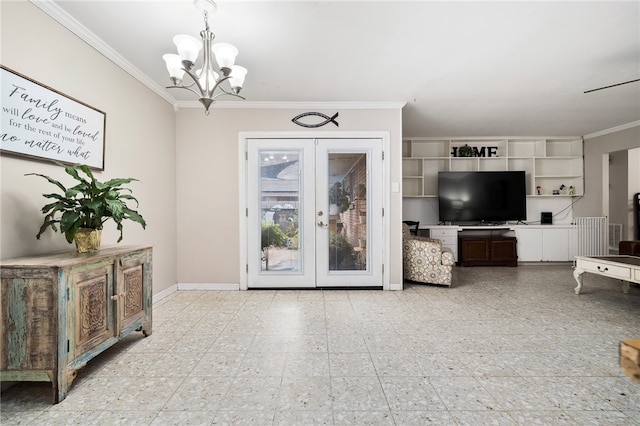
(613, 130)
(73, 25)
(70, 23)
(294, 105)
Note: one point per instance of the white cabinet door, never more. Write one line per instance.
(555, 245)
(543, 244)
(529, 244)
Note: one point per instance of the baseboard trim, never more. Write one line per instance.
(164, 293)
(222, 287)
(209, 286)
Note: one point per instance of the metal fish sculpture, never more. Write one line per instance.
(327, 120)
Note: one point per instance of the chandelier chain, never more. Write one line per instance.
(205, 14)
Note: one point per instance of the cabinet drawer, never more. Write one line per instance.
(440, 233)
(608, 270)
(447, 241)
(636, 275)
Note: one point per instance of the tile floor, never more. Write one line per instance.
(503, 346)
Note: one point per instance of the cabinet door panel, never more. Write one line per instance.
(555, 245)
(131, 297)
(92, 322)
(529, 245)
(503, 251)
(474, 250)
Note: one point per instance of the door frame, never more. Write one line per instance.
(243, 181)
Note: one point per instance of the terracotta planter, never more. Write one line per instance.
(88, 240)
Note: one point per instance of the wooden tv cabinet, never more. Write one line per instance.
(488, 250)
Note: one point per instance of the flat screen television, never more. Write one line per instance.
(485, 197)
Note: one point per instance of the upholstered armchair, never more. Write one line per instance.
(425, 260)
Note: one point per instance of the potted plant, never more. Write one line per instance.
(272, 236)
(81, 211)
(339, 198)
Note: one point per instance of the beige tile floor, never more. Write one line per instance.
(503, 346)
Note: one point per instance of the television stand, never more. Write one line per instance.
(488, 251)
(489, 228)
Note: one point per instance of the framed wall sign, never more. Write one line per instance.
(41, 123)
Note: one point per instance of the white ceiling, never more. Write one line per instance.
(463, 68)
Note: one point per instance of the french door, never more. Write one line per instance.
(314, 216)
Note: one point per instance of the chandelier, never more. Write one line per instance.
(205, 81)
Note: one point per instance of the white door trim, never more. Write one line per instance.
(242, 189)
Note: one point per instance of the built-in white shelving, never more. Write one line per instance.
(548, 163)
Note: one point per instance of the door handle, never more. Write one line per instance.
(321, 224)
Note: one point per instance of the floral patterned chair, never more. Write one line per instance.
(425, 260)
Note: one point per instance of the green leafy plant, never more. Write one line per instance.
(339, 197)
(272, 235)
(341, 253)
(89, 204)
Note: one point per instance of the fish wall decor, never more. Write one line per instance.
(326, 118)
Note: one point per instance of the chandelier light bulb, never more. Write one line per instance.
(188, 48)
(174, 66)
(236, 79)
(225, 54)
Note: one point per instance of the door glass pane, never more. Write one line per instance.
(280, 202)
(347, 211)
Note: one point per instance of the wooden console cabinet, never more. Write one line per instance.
(488, 250)
(60, 311)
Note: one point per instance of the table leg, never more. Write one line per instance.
(577, 274)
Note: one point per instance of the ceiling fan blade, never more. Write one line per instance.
(613, 85)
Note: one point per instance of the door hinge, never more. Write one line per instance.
(68, 346)
(247, 212)
(383, 212)
(383, 269)
(246, 155)
(383, 155)
(247, 267)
